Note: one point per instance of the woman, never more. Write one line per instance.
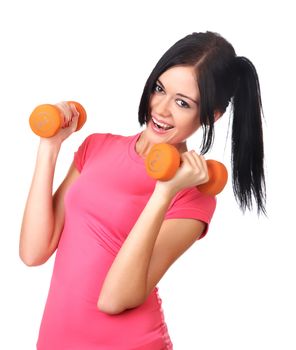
(116, 230)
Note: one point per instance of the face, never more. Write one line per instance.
(174, 106)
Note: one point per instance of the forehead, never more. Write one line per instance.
(180, 79)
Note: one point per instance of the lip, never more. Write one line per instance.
(156, 130)
(160, 121)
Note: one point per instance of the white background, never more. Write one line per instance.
(235, 289)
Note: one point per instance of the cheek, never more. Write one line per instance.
(189, 122)
(152, 101)
(195, 122)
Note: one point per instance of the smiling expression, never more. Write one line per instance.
(174, 107)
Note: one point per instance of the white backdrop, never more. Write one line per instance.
(235, 289)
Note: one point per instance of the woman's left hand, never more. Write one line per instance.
(192, 172)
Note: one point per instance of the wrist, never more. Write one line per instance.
(47, 145)
(48, 149)
(163, 192)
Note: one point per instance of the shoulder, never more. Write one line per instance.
(192, 204)
(192, 199)
(106, 137)
(96, 143)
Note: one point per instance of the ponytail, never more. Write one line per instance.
(247, 139)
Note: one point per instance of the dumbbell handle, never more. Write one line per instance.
(163, 161)
(47, 119)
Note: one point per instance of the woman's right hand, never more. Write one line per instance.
(69, 124)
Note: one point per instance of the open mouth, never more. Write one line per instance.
(160, 125)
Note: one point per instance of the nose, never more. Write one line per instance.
(162, 107)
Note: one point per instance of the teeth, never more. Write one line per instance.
(162, 125)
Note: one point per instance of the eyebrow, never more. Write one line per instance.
(179, 94)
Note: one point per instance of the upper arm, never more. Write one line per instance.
(58, 206)
(174, 238)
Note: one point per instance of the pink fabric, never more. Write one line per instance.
(101, 208)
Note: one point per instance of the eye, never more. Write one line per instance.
(157, 88)
(183, 104)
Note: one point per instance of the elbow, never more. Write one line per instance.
(31, 261)
(110, 307)
(28, 262)
(109, 310)
(33, 256)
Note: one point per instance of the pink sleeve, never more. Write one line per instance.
(80, 154)
(192, 204)
(88, 149)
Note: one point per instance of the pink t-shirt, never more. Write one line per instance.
(101, 207)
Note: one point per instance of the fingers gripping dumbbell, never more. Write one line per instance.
(47, 119)
(164, 159)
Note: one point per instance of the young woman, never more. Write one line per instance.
(116, 230)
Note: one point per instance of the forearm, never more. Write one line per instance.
(126, 282)
(38, 219)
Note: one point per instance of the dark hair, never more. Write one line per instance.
(222, 77)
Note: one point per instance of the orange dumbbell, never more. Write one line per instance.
(46, 120)
(163, 161)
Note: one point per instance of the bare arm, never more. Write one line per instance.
(43, 217)
(153, 244)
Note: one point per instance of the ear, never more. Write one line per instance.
(217, 115)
